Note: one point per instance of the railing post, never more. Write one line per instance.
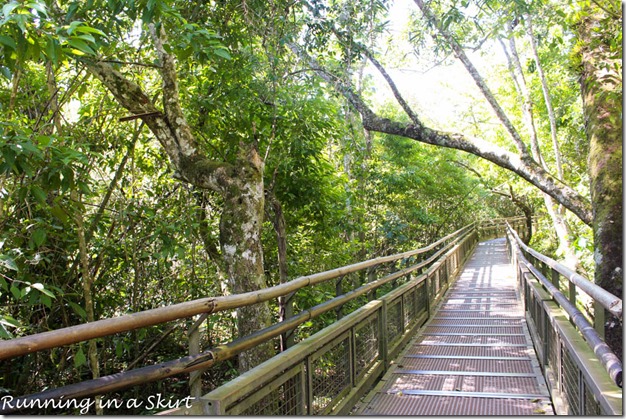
(428, 296)
(195, 377)
(338, 292)
(288, 338)
(352, 352)
(383, 334)
(371, 277)
(556, 279)
(598, 318)
(309, 386)
(572, 292)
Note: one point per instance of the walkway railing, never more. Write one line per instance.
(583, 375)
(418, 279)
(328, 372)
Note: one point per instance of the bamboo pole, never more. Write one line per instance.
(105, 327)
(610, 302)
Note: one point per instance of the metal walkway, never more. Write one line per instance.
(474, 357)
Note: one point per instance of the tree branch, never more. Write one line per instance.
(460, 54)
(169, 127)
(525, 166)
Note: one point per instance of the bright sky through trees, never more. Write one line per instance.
(441, 92)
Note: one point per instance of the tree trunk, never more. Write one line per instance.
(92, 351)
(240, 184)
(482, 86)
(240, 241)
(559, 223)
(601, 86)
(285, 304)
(523, 166)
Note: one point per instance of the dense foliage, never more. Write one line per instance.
(96, 219)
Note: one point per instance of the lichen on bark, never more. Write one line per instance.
(240, 184)
(602, 105)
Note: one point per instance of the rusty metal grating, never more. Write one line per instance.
(571, 384)
(286, 399)
(475, 329)
(473, 340)
(391, 404)
(483, 300)
(473, 358)
(469, 365)
(592, 407)
(539, 321)
(395, 325)
(481, 306)
(513, 351)
(410, 307)
(553, 348)
(467, 383)
(484, 314)
(421, 296)
(475, 322)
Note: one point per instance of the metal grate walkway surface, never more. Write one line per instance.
(473, 357)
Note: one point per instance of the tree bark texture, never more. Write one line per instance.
(546, 95)
(601, 85)
(240, 241)
(240, 185)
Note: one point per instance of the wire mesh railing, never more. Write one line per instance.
(341, 362)
(423, 273)
(583, 375)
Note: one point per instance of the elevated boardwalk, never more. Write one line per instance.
(475, 355)
(423, 350)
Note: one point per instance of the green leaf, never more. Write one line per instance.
(222, 53)
(87, 37)
(9, 42)
(39, 194)
(45, 300)
(17, 294)
(51, 49)
(80, 358)
(59, 213)
(89, 29)
(9, 7)
(41, 288)
(9, 321)
(39, 236)
(78, 310)
(119, 349)
(40, 8)
(80, 45)
(4, 333)
(72, 26)
(8, 262)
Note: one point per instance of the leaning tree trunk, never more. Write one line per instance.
(239, 184)
(558, 220)
(601, 85)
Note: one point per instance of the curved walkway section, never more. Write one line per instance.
(474, 357)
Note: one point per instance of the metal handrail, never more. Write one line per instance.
(220, 400)
(208, 358)
(106, 327)
(609, 301)
(609, 360)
